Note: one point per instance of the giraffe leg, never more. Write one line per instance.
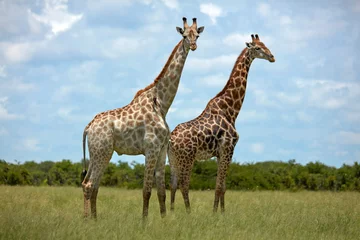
(148, 182)
(184, 182)
(223, 164)
(174, 177)
(86, 206)
(99, 159)
(173, 187)
(87, 191)
(160, 181)
(95, 178)
(93, 201)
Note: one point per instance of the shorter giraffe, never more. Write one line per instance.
(139, 127)
(213, 133)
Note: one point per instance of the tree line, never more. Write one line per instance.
(269, 175)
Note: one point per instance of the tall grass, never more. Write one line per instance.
(56, 213)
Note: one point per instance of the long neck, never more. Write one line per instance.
(167, 82)
(228, 102)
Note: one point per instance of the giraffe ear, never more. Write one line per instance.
(200, 29)
(180, 30)
(248, 45)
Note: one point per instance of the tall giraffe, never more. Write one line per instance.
(213, 133)
(138, 128)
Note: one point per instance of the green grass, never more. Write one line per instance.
(56, 213)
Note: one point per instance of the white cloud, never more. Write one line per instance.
(55, 14)
(123, 45)
(64, 92)
(257, 148)
(106, 5)
(316, 63)
(268, 13)
(84, 72)
(172, 109)
(285, 20)
(346, 138)
(172, 4)
(212, 10)
(264, 9)
(3, 131)
(204, 64)
(31, 144)
(288, 98)
(341, 153)
(186, 114)
(303, 116)
(285, 152)
(183, 89)
(356, 7)
(238, 40)
(82, 78)
(329, 94)
(218, 80)
(295, 30)
(18, 52)
(65, 112)
(252, 116)
(4, 113)
(3, 71)
(15, 85)
(353, 116)
(262, 98)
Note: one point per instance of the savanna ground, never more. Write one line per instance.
(56, 213)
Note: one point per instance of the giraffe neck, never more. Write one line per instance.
(228, 102)
(168, 80)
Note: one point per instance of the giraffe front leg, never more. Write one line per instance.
(148, 182)
(223, 165)
(160, 181)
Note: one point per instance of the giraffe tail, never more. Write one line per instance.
(84, 172)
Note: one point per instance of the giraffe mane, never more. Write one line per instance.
(162, 73)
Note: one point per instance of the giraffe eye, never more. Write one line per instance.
(257, 48)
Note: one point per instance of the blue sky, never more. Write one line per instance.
(62, 62)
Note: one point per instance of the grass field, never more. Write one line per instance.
(56, 213)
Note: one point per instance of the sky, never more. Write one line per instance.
(64, 61)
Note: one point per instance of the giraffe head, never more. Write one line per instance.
(190, 34)
(258, 49)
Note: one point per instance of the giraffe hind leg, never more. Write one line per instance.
(184, 182)
(95, 179)
(87, 191)
(223, 165)
(174, 178)
(160, 181)
(173, 188)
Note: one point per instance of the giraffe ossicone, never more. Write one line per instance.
(138, 128)
(213, 133)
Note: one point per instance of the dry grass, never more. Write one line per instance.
(56, 213)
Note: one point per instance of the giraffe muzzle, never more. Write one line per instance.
(272, 58)
(193, 47)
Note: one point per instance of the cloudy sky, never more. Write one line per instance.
(62, 62)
